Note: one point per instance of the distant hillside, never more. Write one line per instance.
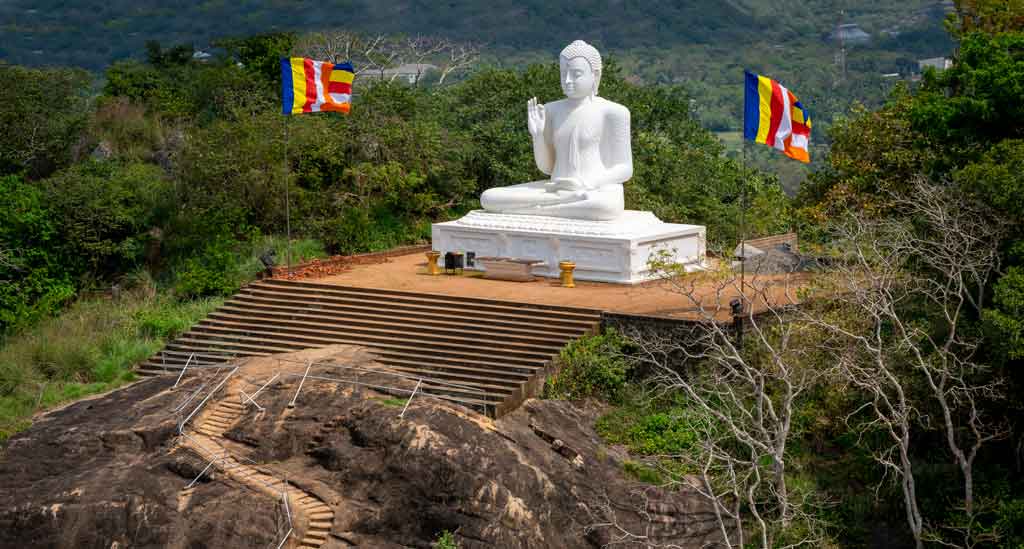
(702, 45)
(92, 33)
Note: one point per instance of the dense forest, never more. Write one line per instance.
(884, 412)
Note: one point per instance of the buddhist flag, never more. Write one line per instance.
(315, 86)
(773, 116)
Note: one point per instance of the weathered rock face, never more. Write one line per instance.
(97, 474)
(107, 471)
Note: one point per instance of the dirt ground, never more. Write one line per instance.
(655, 299)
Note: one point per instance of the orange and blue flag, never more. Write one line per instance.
(315, 86)
(773, 116)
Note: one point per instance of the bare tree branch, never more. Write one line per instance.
(889, 275)
(745, 395)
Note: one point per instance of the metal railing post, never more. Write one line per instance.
(187, 362)
(408, 402)
(181, 427)
(271, 380)
(249, 398)
(205, 469)
(189, 399)
(309, 364)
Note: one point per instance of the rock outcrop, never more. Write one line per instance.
(111, 471)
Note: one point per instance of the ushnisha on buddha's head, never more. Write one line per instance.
(581, 70)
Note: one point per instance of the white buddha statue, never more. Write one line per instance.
(582, 142)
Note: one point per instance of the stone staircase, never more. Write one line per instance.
(318, 518)
(488, 355)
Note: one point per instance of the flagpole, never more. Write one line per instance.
(287, 201)
(743, 224)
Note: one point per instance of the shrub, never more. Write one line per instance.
(446, 541)
(592, 366)
(650, 427)
(215, 272)
(34, 282)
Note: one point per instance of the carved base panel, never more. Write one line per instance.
(604, 251)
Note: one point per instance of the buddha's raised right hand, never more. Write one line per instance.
(535, 117)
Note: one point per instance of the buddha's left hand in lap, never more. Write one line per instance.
(567, 184)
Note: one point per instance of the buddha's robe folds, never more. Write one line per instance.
(585, 149)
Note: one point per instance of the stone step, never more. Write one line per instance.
(410, 329)
(433, 316)
(287, 327)
(475, 352)
(214, 328)
(393, 297)
(441, 372)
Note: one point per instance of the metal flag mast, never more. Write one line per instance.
(743, 223)
(287, 200)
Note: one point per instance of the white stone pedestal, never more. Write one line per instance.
(604, 251)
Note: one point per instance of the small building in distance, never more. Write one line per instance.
(410, 73)
(937, 63)
(851, 35)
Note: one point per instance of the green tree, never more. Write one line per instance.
(33, 278)
(106, 211)
(43, 113)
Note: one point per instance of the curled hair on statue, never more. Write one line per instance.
(579, 48)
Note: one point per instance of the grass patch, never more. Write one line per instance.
(90, 348)
(643, 473)
(650, 428)
(660, 432)
(396, 402)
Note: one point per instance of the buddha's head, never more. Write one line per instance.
(581, 70)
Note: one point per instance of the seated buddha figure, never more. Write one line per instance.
(581, 142)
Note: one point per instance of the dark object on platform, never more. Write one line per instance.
(737, 320)
(470, 260)
(269, 260)
(453, 262)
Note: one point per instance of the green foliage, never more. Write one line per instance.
(90, 348)
(1010, 523)
(130, 133)
(43, 113)
(650, 430)
(1005, 320)
(215, 271)
(261, 53)
(162, 58)
(643, 473)
(189, 89)
(988, 16)
(106, 211)
(33, 281)
(592, 366)
(446, 540)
